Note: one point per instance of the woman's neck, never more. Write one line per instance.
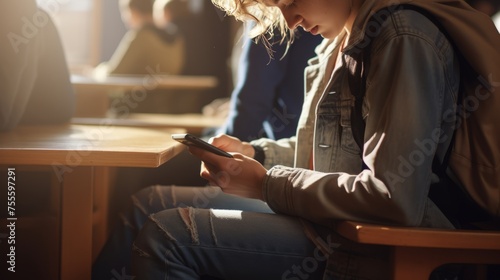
(355, 7)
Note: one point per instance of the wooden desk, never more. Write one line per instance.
(93, 94)
(192, 123)
(147, 82)
(81, 156)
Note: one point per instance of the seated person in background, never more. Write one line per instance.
(35, 87)
(168, 13)
(269, 94)
(208, 50)
(144, 48)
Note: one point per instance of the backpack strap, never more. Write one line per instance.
(357, 85)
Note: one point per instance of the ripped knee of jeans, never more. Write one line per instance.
(187, 215)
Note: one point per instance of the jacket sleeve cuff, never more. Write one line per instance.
(259, 156)
(277, 191)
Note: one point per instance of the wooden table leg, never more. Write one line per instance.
(102, 183)
(76, 223)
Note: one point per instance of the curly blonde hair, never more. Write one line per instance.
(267, 18)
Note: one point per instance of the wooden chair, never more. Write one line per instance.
(416, 252)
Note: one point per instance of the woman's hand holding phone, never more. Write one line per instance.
(232, 144)
(240, 175)
(193, 141)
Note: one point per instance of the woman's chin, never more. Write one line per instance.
(330, 34)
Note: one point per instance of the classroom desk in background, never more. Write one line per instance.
(192, 123)
(147, 82)
(92, 93)
(80, 158)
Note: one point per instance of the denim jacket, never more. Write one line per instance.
(409, 111)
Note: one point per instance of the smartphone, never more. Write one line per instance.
(191, 140)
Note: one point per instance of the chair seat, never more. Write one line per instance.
(420, 237)
(418, 251)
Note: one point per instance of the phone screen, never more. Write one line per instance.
(191, 140)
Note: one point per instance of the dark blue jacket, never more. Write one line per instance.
(267, 99)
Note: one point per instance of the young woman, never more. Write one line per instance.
(410, 71)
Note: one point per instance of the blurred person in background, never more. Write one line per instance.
(35, 87)
(172, 16)
(269, 93)
(208, 50)
(167, 14)
(144, 48)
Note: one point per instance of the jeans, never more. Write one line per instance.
(186, 235)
